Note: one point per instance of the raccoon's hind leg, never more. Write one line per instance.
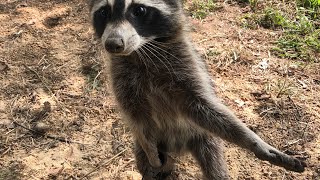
(209, 154)
(149, 172)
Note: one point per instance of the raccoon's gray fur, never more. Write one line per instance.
(165, 93)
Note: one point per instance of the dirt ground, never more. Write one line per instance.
(52, 81)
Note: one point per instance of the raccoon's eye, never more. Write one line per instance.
(139, 11)
(103, 12)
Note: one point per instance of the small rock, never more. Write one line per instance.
(303, 84)
(261, 95)
(239, 102)
(41, 127)
(3, 67)
(51, 22)
(263, 64)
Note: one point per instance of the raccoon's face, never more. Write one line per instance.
(126, 25)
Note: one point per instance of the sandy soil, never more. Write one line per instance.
(52, 80)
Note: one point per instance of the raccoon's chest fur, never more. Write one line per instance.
(172, 129)
(161, 92)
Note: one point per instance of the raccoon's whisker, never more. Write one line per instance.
(169, 62)
(166, 37)
(150, 50)
(143, 49)
(161, 60)
(165, 45)
(141, 57)
(154, 45)
(165, 51)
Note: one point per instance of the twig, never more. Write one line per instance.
(95, 78)
(38, 76)
(61, 139)
(6, 151)
(105, 163)
(292, 143)
(130, 161)
(9, 132)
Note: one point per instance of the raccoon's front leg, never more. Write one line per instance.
(149, 146)
(212, 115)
(138, 115)
(131, 89)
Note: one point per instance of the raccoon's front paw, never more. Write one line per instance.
(286, 161)
(276, 157)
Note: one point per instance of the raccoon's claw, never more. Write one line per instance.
(276, 157)
(286, 161)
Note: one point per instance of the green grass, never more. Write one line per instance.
(309, 3)
(272, 18)
(268, 18)
(200, 9)
(93, 80)
(299, 22)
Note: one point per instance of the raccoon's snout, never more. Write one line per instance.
(115, 45)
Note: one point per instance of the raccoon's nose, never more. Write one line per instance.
(114, 45)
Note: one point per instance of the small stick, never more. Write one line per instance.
(130, 161)
(106, 163)
(292, 143)
(5, 152)
(61, 139)
(39, 77)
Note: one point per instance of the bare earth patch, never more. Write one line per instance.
(58, 119)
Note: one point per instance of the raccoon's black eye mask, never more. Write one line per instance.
(147, 21)
(135, 13)
(100, 19)
(150, 21)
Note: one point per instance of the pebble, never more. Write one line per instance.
(41, 127)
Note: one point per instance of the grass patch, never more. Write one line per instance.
(200, 9)
(272, 19)
(309, 3)
(268, 18)
(299, 22)
(92, 72)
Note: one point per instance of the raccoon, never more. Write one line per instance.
(164, 91)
